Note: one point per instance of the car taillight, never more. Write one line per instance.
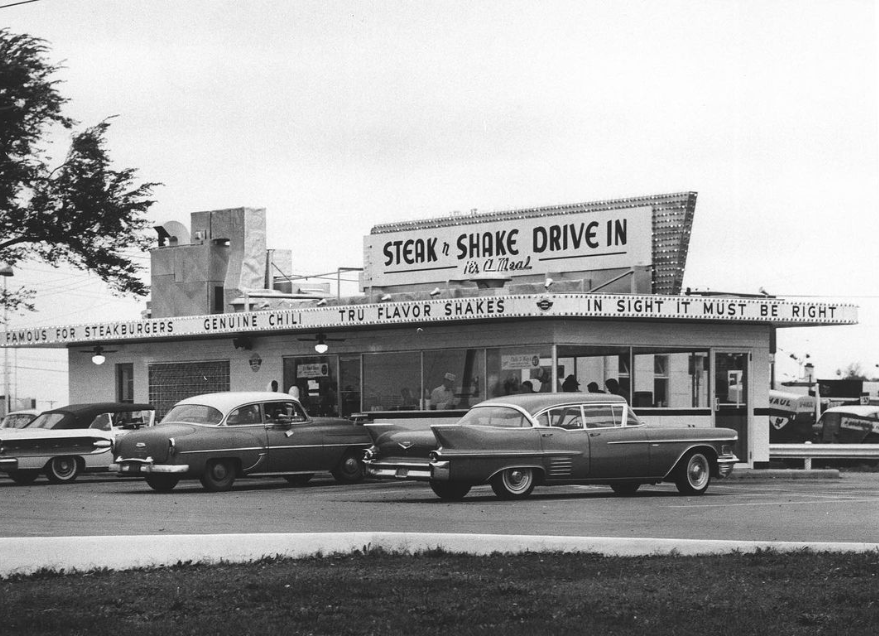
(172, 446)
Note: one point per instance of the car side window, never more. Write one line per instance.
(244, 415)
(567, 417)
(602, 416)
(631, 418)
(102, 422)
(284, 413)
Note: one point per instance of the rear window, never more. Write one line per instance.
(194, 414)
(500, 416)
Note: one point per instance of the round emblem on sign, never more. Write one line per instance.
(544, 304)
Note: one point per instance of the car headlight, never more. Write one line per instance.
(726, 449)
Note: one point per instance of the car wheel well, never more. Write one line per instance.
(80, 462)
(236, 463)
(59, 474)
(539, 473)
(708, 451)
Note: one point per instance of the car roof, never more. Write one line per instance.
(538, 401)
(102, 407)
(24, 412)
(226, 400)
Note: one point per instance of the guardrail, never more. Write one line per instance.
(809, 451)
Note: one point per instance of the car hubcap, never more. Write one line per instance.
(518, 479)
(698, 472)
(64, 467)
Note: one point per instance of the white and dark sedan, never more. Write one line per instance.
(517, 442)
(218, 437)
(62, 443)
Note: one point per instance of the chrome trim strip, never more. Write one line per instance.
(693, 441)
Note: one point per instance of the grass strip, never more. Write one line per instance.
(440, 593)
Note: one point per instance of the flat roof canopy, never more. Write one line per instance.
(308, 317)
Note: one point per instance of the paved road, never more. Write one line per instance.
(831, 510)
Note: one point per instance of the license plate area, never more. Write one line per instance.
(402, 473)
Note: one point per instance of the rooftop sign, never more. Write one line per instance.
(540, 306)
(571, 241)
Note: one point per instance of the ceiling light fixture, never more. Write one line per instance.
(321, 346)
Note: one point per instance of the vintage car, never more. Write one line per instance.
(64, 442)
(218, 437)
(853, 424)
(517, 442)
(19, 419)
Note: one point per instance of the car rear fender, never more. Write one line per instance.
(483, 438)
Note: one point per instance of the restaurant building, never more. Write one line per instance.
(452, 311)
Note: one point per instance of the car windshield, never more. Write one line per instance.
(46, 420)
(502, 416)
(194, 413)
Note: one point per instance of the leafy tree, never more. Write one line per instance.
(81, 212)
(853, 371)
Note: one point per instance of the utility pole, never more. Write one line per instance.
(5, 272)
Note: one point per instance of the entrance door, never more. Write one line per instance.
(731, 396)
(315, 377)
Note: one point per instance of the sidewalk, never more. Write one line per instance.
(29, 555)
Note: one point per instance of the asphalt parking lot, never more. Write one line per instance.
(844, 509)
(107, 522)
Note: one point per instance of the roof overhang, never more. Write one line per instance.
(309, 317)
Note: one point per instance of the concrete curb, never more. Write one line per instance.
(784, 473)
(20, 555)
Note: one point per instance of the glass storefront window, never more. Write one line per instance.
(670, 378)
(454, 379)
(392, 382)
(592, 369)
(518, 370)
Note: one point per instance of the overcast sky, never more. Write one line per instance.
(336, 116)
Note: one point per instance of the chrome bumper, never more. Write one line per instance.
(419, 471)
(8, 464)
(725, 465)
(138, 466)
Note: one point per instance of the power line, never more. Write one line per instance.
(19, 367)
(15, 4)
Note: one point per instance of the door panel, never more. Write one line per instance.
(731, 396)
(564, 442)
(295, 444)
(619, 452)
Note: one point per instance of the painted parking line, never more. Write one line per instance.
(727, 504)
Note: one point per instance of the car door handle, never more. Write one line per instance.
(546, 434)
